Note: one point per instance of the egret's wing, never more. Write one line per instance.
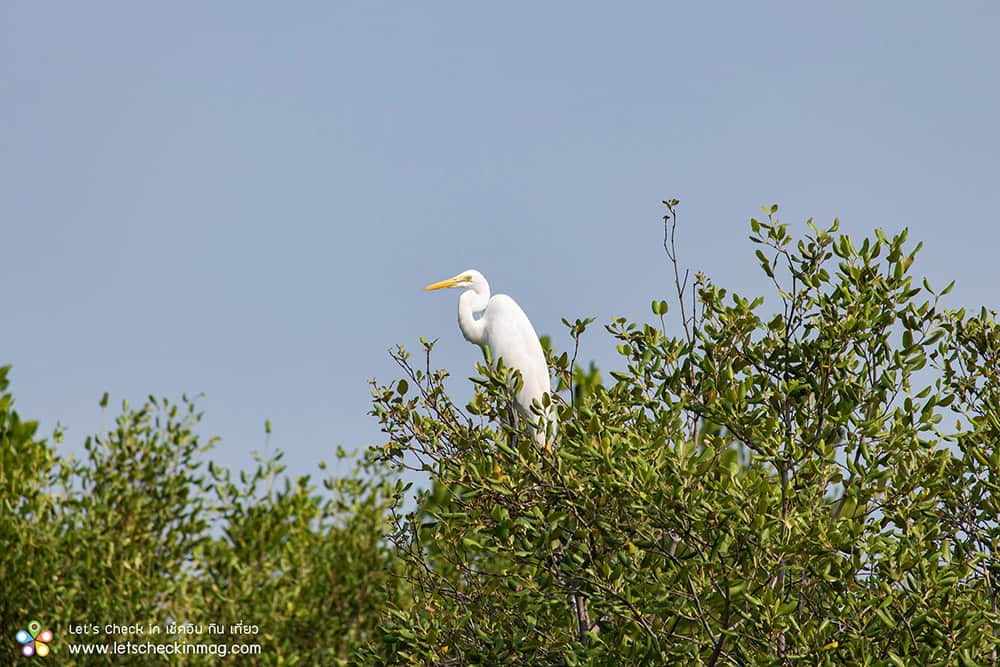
(511, 337)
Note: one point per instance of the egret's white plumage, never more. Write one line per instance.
(504, 328)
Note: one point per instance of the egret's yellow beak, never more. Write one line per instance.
(451, 282)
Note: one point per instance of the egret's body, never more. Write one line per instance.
(504, 328)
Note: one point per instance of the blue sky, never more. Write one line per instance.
(245, 199)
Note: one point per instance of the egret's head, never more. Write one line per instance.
(468, 278)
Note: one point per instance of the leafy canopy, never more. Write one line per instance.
(758, 485)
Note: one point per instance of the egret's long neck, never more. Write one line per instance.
(473, 300)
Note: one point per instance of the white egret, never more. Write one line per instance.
(504, 328)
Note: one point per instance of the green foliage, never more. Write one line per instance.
(138, 532)
(767, 486)
(313, 567)
(25, 469)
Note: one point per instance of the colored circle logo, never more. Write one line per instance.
(34, 640)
